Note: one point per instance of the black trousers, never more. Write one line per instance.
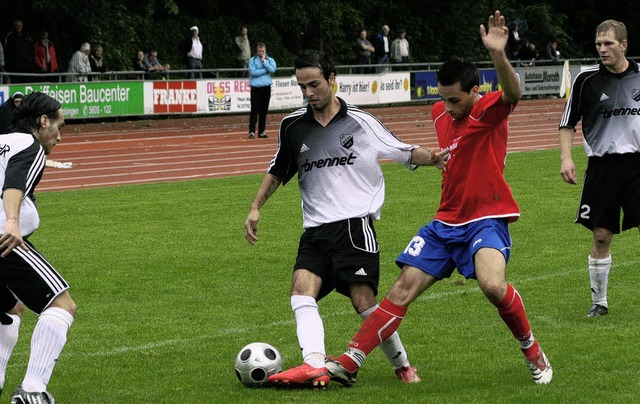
(260, 97)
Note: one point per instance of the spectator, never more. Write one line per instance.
(7, 110)
(192, 49)
(79, 64)
(244, 48)
(527, 55)
(553, 53)
(138, 61)
(364, 50)
(97, 62)
(261, 67)
(383, 48)
(44, 54)
(153, 65)
(400, 48)
(18, 48)
(515, 42)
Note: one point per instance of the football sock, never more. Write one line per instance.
(47, 341)
(392, 346)
(378, 326)
(8, 339)
(310, 329)
(512, 312)
(599, 277)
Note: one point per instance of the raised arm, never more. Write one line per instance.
(495, 38)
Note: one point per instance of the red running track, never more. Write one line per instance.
(164, 150)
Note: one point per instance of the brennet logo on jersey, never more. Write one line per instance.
(329, 162)
(175, 96)
(609, 112)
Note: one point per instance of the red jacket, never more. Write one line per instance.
(40, 57)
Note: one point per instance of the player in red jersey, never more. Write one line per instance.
(470, 231)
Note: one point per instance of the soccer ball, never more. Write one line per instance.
(256, 362)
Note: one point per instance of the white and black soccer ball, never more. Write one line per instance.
(256, 362)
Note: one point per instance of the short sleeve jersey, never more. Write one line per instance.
(22, 162)
(473, 184)
(609, 106)
(338, 165)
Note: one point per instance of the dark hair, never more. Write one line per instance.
(27, 116)
(458, 70)
(315, 58)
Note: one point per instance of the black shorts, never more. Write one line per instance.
(28, 276)
(341, 253)
(612, 183)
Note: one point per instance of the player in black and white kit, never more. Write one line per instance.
(607, 99)
(335, 149)
(25, 276)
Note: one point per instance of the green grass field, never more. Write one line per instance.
(169, 290)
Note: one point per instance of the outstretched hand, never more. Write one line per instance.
(496, 36)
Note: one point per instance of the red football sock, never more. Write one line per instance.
(512, 312)
(379, 326)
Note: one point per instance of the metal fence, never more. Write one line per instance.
(219, 73)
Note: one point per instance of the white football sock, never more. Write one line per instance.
(8, 339)
(392, 346)
(599, 277)
(310, 329)
(47, 341)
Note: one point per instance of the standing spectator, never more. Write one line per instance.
(470, 229)
(45, 54)
(79, 64)
(335, 150)
(18, 52)
(605, 98)
(382, 46)
(26, 277)
(553, 53)
(96, 61)
(7, 110)
(192, 48)
(516, 42)
(364, 49)
(244, 48)
(153, 65)
(261, 67)
(400, 48)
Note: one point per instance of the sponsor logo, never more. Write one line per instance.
(476, 242)
(361, 272)
(4, 149)
(604, 97)
(607, 113)
(304, 148)
(329, 162)
(635, 93)
(175, 96)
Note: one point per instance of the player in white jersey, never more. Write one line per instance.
(25, 276)
(607, 100)
(335, 149)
